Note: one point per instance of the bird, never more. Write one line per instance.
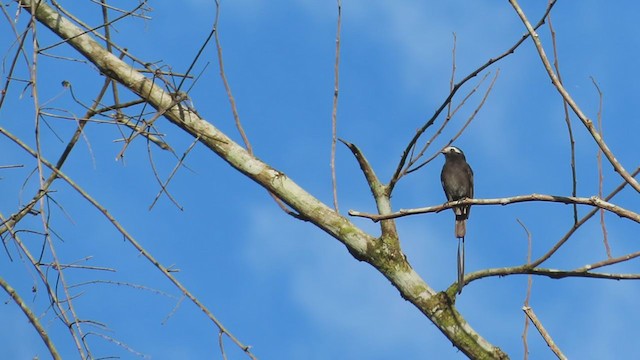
(457, 182)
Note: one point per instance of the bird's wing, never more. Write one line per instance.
(446, 193)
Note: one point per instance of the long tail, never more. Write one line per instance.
(460, 264)
(461, 227)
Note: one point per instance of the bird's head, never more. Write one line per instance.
(452, 151)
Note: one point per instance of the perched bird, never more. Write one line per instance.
(457, 182)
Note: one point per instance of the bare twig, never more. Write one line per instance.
(163, 185)
(76, 266)
(567, 119)
(603, 226)
(81, 124)
(227, 87)
(453, 72)
(142, 130)
(334, 111)
(119, 116)
(195, 59)
(609, 261)
(221, 344)
(119, 344)
(528, 297)
(117, 106)
(20, 39)
(10, 166)
(174, 310)
(110, 7)
(126, 284)
(547, 338)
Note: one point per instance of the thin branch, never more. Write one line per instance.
(567, 119)
(82, 122)
(173, 311)
(33, 319)
(221, 344)
(528, 297)
(453, 72)
(592, 201)
(334, 111)
(114, 84)
(609, 261)
(550, 273)
(126, 284)
(588, 124)
(117, 106)
(547, 338)
(145, 133)
(14, 61)
(10, 166)
(227, 87)
(120, 344)
(283, 206)
(163, 185)
(195, 59)
(603, 226)
(103, 4)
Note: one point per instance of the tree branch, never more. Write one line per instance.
(592, 201)
(572, 104)
(379, 191)
(547, 338)
(33, 319)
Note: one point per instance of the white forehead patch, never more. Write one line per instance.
(454, 149)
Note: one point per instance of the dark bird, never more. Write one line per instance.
(457, 182)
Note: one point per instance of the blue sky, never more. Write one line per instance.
(285, 287)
